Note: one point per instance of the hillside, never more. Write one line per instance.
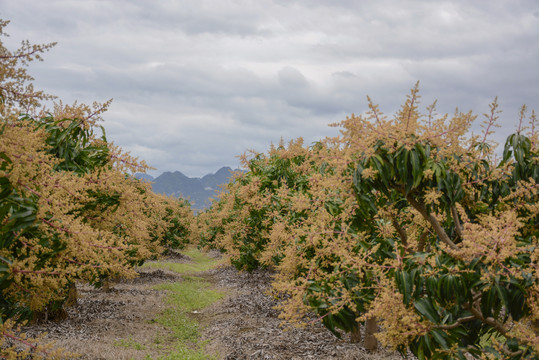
(197, 190)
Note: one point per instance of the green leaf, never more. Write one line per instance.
(5, 261)
(425, 308)
(4, 157)
(416, 169)
(439, 336)
(405, 283)
(502, 292)
(420, 352)
(22, 214)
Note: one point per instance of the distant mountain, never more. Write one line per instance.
(197, 190)
(144, 177)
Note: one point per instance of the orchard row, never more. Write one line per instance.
(71, 209)
(408, 224)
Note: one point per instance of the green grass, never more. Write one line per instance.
(184, 297)
(193, 293)
(201, 262)
(183, 353)
(129, 343)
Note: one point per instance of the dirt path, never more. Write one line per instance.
(114, 324)
(244, 325)
(120, 323)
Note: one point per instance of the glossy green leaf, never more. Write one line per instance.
(425, 308)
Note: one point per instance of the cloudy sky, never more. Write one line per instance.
(196, 83)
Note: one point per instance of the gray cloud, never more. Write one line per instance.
(197, 83)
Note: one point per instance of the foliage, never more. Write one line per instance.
(70, 207)
(14, 345)
(410, 221)
(180, 218)
(16, 87)
(241, 222)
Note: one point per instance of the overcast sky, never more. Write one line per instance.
(197, 83)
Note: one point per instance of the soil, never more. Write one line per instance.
(245, 325)
(102, 318)
(119, 323)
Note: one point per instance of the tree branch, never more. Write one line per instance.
(456, 323)
(433, 221)
(400, 230)
(458, 226)
(489, 320)
(422, 240)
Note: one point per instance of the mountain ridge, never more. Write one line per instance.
(198, 190)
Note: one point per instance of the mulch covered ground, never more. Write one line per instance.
(118, 323)
(245, 325)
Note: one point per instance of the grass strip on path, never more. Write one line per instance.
(185, 298)
(200, 262)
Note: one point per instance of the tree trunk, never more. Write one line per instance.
(72, 296)
(370, 343)
(355, 335)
